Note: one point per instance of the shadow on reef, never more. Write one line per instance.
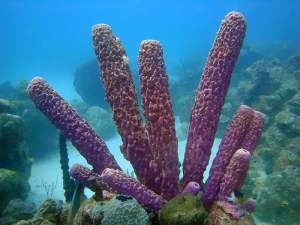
(152, 147)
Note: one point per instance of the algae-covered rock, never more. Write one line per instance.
(50, 210)
(13, 152)
(184, 209)
(49, 213)
(294, 62)
(11, 130)
(6, 106)
(288, 122)
(84, 216)
(15, 162)
(294, 104)
(11, 186)
(38, 142)
(38, 221)
(121, 210)
(16, 210)
(296, 75)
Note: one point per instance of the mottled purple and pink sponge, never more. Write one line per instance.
(151, 146)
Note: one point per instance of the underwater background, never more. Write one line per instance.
(53, 39)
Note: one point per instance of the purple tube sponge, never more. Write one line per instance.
(210, 95)
(152, 147)
(254, 132)
(192, 187)
(88, 178)
(127, 185)
(120, 93)
(77, 130)
(160, 122)
(233, 210)
(231, 141)
(249, 205)
(235, 173)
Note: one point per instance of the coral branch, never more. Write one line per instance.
(231, 141)
(191, 187)
(211, 94)
(120, 92)
(235, 173)
(127, 185)
(160, 122)
(65, 118)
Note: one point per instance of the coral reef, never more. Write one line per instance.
(50, 212)
(152, 149)
(38, 142)
(273, 178)
(16, 210)
(12, 185)
(15, 161)
(118, 211)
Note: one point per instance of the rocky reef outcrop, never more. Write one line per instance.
(15, 160)
(270, 85)
(50, 212)
(38, 143)
(276, 183)
(86, 85)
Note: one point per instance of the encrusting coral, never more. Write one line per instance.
(152, 148)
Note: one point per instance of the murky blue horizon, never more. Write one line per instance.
(52, 38)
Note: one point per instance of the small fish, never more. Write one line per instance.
(238, 194)
(236, 197)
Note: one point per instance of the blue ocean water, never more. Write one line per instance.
(52, 38)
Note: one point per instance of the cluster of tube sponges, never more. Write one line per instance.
(151, 147)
